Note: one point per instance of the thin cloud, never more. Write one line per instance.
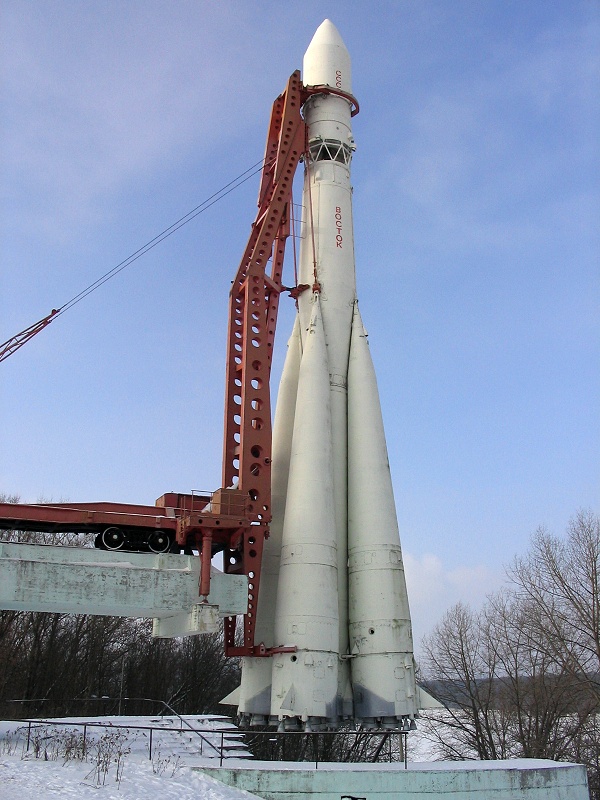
(120, 100)
(487, 153)
(433, 588)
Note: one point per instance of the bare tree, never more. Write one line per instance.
(521, 677)
(535, 700)
(461, 667)
(559, 578)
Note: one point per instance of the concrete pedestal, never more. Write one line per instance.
(523, 779)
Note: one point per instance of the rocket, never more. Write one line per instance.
(332, 581)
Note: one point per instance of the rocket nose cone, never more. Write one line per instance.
(327, 61)
(328, 34)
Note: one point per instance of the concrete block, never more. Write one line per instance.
(520, 779)
(203, 618)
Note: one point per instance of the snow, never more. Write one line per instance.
(34, 779)
(137, 768)
(168, 775)
(396, 766)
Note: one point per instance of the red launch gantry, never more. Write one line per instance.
(234, 519)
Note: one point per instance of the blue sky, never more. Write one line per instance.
(477, 219)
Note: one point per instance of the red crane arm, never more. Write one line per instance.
(253, 305)
(11, 345)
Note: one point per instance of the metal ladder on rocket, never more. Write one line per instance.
(332, 576)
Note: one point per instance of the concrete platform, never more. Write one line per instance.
(523, 779)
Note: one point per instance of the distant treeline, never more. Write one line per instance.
(65, 664)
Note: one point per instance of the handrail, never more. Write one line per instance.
(145, 699)
(181, 720)
(222, 732)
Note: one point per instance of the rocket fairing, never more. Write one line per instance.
(332, 582)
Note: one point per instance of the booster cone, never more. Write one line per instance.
(383, 676)
(305, 683)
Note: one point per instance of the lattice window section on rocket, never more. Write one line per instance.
(330, 150)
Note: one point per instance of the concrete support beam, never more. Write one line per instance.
(76, 580)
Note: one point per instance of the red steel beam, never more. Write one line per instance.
(253, 307)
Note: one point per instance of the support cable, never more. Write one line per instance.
(316, 285)
(17, 341)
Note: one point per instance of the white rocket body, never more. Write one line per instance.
(306, 615)
(332, 582)
(327, 258)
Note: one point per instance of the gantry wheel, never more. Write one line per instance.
(113, 538)
(159, 542)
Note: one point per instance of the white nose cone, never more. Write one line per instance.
(327, 61)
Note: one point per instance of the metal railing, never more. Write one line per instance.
(221, 751)
(182, 722)
(295, 746)
(120, 700)
(318, 748)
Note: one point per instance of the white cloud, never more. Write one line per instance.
(433, 588)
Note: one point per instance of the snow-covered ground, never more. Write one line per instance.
(126, 764)
(117, 762)
(37, 780)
